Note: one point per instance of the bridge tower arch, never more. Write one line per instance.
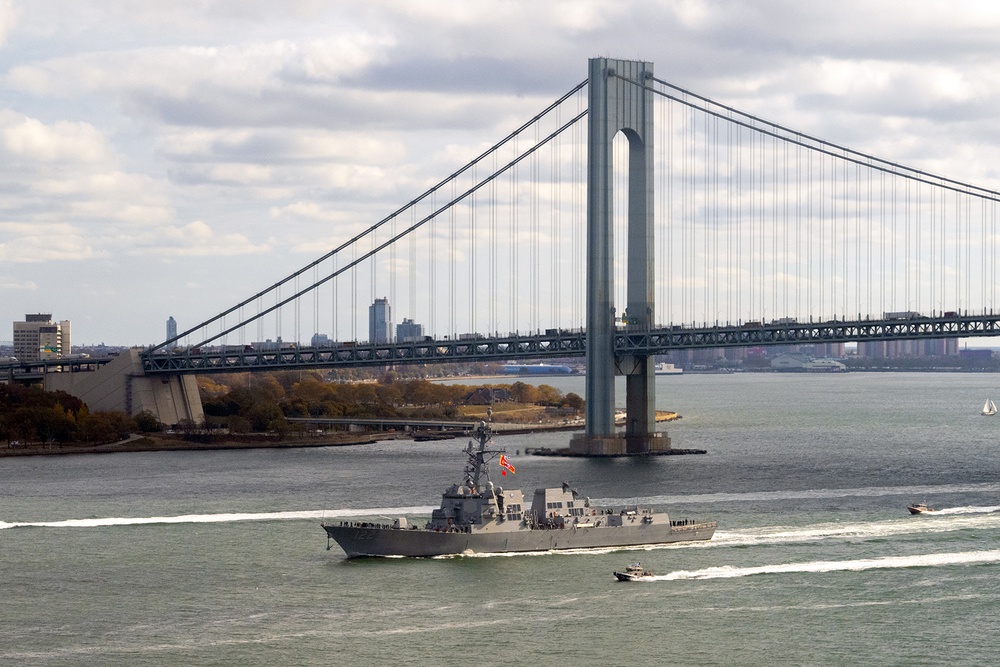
(619, 102)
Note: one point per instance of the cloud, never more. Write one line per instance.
(31, 244)
(278, 145)
(8, 19)
(195, 239)
(31, 140)
(10, 283)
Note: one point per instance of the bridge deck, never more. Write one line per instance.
(553, 344)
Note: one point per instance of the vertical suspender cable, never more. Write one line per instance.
(354, 293)
(833, 238)
(392, 274)
(533, 221)
(334, 304)
(473, 269)
(491, 256)
(513, 279)
(716, 230)
(452, 285)
(669, 276)
(821, 224)
(740, 283)
(432, 270)
(555, 211)
(754, 254)
(413, 266)
(706, 228)
(809, 230)
(893, 251)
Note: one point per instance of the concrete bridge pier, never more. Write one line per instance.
(121, 385)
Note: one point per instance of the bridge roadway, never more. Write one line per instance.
(552, 344)
(569, 343)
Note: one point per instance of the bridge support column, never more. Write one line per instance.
(619, 103)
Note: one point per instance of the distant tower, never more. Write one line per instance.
(409, 331)
(171, 331)
(380, 321)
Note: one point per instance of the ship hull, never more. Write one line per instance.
(358, 541)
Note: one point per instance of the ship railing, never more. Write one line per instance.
(690, 524)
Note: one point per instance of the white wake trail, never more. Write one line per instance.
(924, 560)
(219, 518)
(966, 518)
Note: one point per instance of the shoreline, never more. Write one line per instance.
(158, 443)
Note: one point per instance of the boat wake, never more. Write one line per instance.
(217, 518)
(967, 510)
(889, 562)
(964, 518)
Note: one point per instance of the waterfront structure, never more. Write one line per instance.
(171, 332)
(38, 338)
(380, 321)
(794, 361)
(409, 331)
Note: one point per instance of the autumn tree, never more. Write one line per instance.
(574, 401)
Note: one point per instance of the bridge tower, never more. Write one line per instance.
(619, 102)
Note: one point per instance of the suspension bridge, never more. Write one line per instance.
(628, 218)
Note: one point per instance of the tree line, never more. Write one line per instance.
(263, 402)
(29, 415)
(257, 403)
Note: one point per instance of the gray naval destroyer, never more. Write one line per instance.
(476, 517)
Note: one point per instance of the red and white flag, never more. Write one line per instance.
(505, 464)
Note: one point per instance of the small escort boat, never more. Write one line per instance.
(919, 508)
(634, 572)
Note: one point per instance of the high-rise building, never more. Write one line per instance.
(380, 321)
(38, 338)
(409, 331)
(171, 331)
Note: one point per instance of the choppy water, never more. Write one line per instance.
(217, 558)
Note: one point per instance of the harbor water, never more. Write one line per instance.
(218, 558)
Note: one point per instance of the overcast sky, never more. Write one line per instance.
(172, 158)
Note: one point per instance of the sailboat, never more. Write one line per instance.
(989, 407)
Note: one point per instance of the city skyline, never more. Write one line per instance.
(173, 160)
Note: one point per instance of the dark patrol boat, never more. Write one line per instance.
(919, 508)
(633, 572)
(476, 517)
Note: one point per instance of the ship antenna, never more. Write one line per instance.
(478, 457)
